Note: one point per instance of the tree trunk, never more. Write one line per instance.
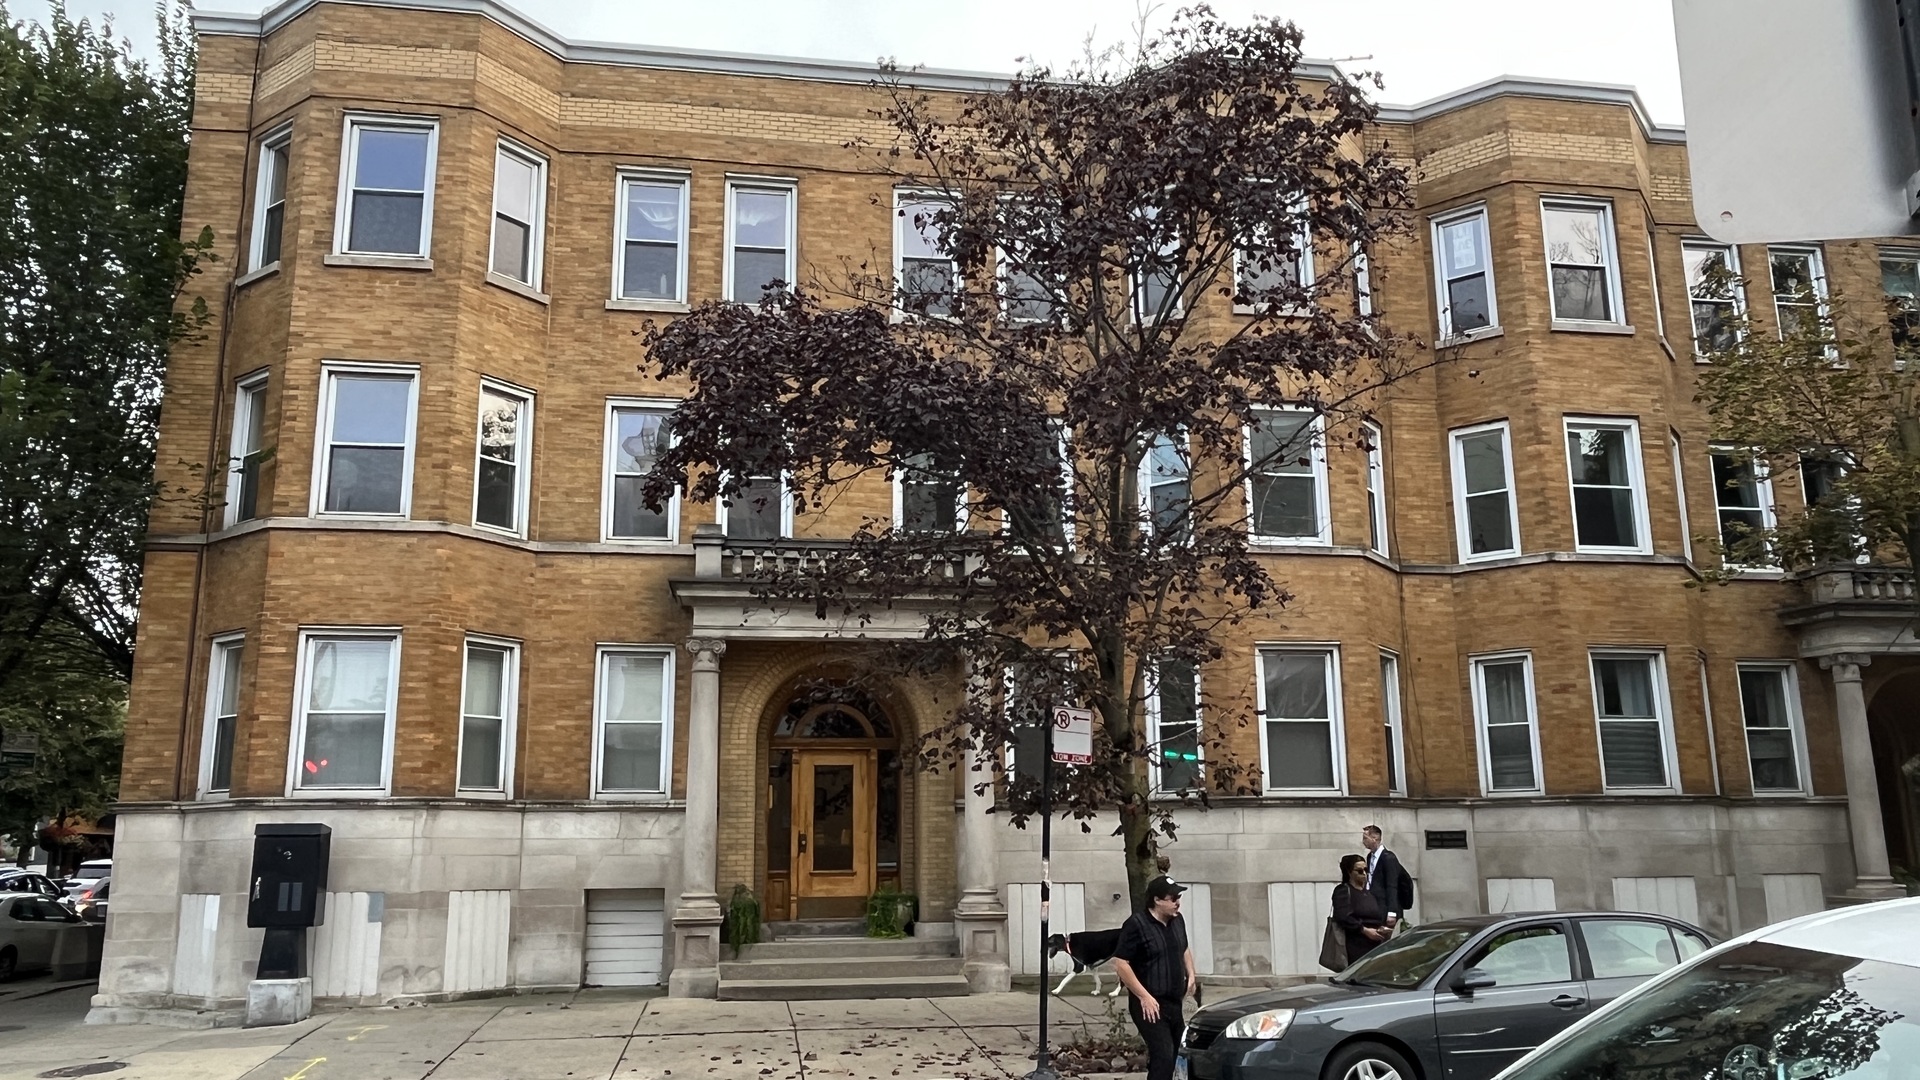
(1136, 831)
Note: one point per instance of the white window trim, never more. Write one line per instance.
(1377, 489)
(681, 180)
(1303, 240)
(786, 509)
(1817, 262)
(1762, 489)
(509, 710)
(780, 185)
(1441, 303)
(223, 645)
(349, 159)
(236, 445)
(902, 225)
(1154, 735)
(1462, 532)
(1323, 512)
(279, 138)
(897, 478)
(1636, 478)
(1653, 281)
(1739, 285)
(1362, 281)
(609, 437)
(1477, 664)
(297, 744)
(1145, 484)
(1392, 717)
(322, 459)
(1680, 492)
(537, 228)
(1663, 712)
(523, 458)
(1609, 235)
(1137, 284)
(1796, 721)
(600, 669)
(1336, 710)
(1068, 478)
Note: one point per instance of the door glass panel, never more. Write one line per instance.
(780, 811)
(1537, 954)
(833, 819)
(888, 812)
(1623, 948)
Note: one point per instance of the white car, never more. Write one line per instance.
(1829, 996)
(88, 875)
(30, 928)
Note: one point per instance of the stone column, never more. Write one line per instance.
(697, 917)
(980, 919)
(1873, 879)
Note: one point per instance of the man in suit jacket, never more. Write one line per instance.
(1387, 880)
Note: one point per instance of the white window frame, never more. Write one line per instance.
(1636, 479)
(1362, 281)
(1796, 723)
(1680, 493)
(1462, 533)
(523, 460)
(1609, 235)
(509, 710)
(1737, 301)
(1817, 267)
(1442, 301)
(1068, 508)
(786, 508)
(296, 745)
(902, 227)
(1155, 735)
(1303, 241)
(1393, 721)
(1317, 450)
(1336, 709)
(624, 178)
(1478, 664)
(238, 436)
(600, 673)
(1653, 278)
(1763, 490)
(349, 163)
(898, 479)
(1137, 281)
(1656, 660)
(1378, 541)
(227, 648)
(323, 458)
(1147, 481)
(609, 439)
(785, 186)
(279, 140)
(536, 229)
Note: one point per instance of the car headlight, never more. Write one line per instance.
(1261, 1025)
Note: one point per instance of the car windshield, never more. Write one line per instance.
(1403, 962)
(94, 869)
(1758, 1012)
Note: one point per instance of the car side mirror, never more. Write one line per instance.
(1470, 980)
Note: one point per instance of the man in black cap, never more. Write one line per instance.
(1156, 966)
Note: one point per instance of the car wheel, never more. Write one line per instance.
(9, 959)
(1368, 1061)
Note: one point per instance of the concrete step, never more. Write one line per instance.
(840, 968)
(807, 948)
(819, 928)
(842, 989)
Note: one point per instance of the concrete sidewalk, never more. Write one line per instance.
(607, 1035)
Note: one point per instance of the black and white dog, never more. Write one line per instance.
(1089, 950)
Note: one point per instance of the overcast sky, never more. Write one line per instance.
(1423, 48)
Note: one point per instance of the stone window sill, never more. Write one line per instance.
(1471, 336)
(668, 306)
(518, 288)
(1562, 326)
(256, 274)
(382, 262)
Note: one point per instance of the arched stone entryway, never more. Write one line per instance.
(837, 797)
(1893, 718)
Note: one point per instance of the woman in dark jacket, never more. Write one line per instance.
(1357, 910)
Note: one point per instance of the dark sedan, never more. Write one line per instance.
(1454, 1000)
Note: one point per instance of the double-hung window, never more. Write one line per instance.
(365, 464)
(386, 187)
(1583, 266)
(1485, 516)
(519, 214)
(1300, 719)
(223, 716)
(248, 450)
(488, 697)
(1173, 717)
(1503, 705)
(926, 498)
(1713, 289)
(1609, 489)
(1653, 280)
(1391, 723)
(1630, 706)
(270, 201)
(1770, 709)
(1742, 495)
(1156, 268)
(1799, 289)
(1287, 477)
(1376, 489)
(760, 237)
(633, 740)
(637, 434)
(1264, 274)
(343, 725)
(1463, 273)
(1900, 281)
(924, 273)
(504, 444)
(1045, 514)
(650, 258)
(761, 510)
(1166, 488)
(1821, 474)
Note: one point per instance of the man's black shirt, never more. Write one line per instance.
(1157, 952)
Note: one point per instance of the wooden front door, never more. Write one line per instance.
(833, 826)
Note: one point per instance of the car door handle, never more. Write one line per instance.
(1567, 1001)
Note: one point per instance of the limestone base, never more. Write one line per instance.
(271, 1002)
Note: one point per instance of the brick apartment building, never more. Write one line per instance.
(428, 610)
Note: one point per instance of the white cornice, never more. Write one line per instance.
(1556, 89)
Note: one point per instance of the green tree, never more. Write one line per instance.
(71, 701)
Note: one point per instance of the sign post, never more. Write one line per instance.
(1068, 740)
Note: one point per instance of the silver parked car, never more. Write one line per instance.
(30, 928)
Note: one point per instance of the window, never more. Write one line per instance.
(1713, 288)
(1263, 274)
(1837, 536)
(1630, 701)
(386, 187)
(1628, 948)
(1287, 477)
(487, 711)
(1742, 495)
(650, 260)
(366, 461)
(1485, 517)
(270, 200)
(1173, 716)
(927, 499)
(1525, 957)
(633, 747)
(1609, 493)
(1799, 289)
(1362, 281)
(1900, 280)
(760, 231)
(761, 510)
(1503, 704)
(1045, 514)
(1157, 277)
(500, 473)
(636, 437)
(1680, 492)
(1463, 270)
(1770, 708)
(1390, 721)
(519, 213)
(247, 453)
(1300, 719)
(923, 271)
(343, 741)
(1376, 490)
(1166, 488)
(223, 716)
(1583, 271)
(1653, 278)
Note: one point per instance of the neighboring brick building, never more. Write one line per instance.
(528, 708)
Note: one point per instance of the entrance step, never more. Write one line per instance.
(815, 965)
(841, 968)
(844, 989)
(841, 928)
(814, 948)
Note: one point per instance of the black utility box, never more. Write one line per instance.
(289, 884)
